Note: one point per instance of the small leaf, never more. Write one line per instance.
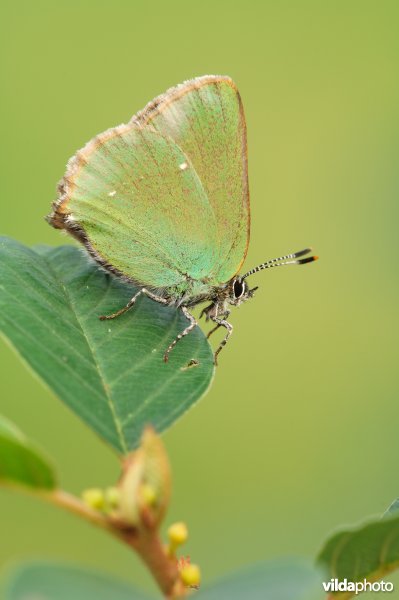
(145, 481)
(111, 373)
(368, 552)
(52, 581)
(20, 462)
(275, 580)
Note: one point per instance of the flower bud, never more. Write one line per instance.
(191, 575)
(93, 497)
(177, 534)
(112, 497)
(148, 494)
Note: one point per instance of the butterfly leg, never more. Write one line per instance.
(226, 314)
(185, 332)
(212, 331)
(229, 327)
(206, 311)
(132, 301)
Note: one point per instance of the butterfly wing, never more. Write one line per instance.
(205, 118)
(132, 196)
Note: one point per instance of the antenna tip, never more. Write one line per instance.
(304, 261)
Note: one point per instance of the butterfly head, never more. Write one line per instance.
(239, 291)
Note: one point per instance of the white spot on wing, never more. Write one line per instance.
(112, 194)
(183, 166)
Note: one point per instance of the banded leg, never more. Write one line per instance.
(205, 311)
(212, 331)
(185, 332)
(211, 312)
(131, 302)
(229, 327)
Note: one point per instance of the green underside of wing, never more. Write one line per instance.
(208, 124)
(143, 213)
(165, 202)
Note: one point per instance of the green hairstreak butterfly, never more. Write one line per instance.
(163, 202)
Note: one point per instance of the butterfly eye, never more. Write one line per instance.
(239, 288)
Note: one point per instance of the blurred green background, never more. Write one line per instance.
(299, 433)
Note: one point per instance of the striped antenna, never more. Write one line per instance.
(282, 261)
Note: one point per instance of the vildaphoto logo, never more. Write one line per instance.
(335, 585)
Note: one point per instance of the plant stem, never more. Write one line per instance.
(144, 541)
(164, 568)
(77, 507)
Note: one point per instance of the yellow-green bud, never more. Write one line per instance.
(112, 497)
(94, 497)
(177, 534)
(191, 575)
(148, 494)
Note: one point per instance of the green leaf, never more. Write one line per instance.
(368, 552)
(52, 581)
(110, 373)
(275, 580)
(392, 509)
(20, 462)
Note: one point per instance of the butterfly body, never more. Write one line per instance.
(163, 201)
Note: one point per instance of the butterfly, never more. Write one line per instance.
(163, 202)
